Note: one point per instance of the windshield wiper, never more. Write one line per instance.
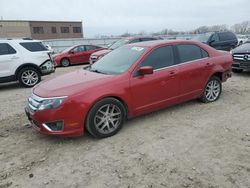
(95, 70)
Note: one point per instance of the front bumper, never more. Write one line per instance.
(47, 67)
(72, 126)
(242, 65)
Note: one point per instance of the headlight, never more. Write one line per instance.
(51, 103)
(101, 56)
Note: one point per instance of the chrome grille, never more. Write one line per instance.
(242, 57)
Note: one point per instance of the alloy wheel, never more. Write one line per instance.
(30, 77)
(108, 118)
(213, 90)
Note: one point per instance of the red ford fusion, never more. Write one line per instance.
(130, 81)
(75, 55)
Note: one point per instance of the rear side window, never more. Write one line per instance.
(34, 46)
(190, 52)
(160, 58)
(227, 36)
(6, 49)
(89, 47)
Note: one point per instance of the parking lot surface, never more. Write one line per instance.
(188, 145)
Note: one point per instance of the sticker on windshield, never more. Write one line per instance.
(137, 48)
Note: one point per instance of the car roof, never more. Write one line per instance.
(137, 37)
(18, 40)
(156, 43)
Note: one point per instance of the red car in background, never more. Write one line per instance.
(130, 81)
(75, 55)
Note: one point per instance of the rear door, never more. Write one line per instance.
(8, 59)
(194, 66)
(159, 89)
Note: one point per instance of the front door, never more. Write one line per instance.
(157, 90)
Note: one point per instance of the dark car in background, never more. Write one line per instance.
(75, 55)
(225, 40)
(128, 40)
(241, 57)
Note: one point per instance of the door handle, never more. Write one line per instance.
(14, 57)
(172, 72)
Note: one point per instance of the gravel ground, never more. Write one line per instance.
(188, 145)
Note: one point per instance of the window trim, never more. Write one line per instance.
(136, 69)
(178, 55)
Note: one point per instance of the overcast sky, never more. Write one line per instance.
(101, 17)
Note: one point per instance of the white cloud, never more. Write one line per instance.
(118, 16)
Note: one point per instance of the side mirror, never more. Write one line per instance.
(146, 70)
(71, 52)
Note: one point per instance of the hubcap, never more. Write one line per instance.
(107, 118)
(29, 77)
(212, 90)
(65, 62)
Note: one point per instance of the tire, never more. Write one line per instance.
(105, 118)
(237, 70)
(212, 90)
(65, 62)
(29, 76)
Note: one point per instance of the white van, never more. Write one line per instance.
(24, 61)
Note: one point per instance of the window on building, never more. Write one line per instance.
(38, 30)
(53, 29)
(77, 29)
(64, 29)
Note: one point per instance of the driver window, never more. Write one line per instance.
(160, 58)
(215, 37)
(79, 49)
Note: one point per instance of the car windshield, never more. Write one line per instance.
(202, 38)
(118, 61)
(118, 44)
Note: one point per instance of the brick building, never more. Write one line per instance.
(40, 29)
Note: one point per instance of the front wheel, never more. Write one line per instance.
(65, 62)
(29, 77)
(212, 90)
(105, 118)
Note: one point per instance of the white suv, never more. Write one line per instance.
(25, 61)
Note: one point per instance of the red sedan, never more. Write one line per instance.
(75, 55)
(132, 80)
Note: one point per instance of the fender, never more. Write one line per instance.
(27, 65)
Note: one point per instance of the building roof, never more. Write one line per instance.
(39, 21)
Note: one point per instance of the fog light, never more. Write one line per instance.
(54, 126)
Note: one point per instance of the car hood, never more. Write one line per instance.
(101, 52)
(244, 48)
(70, 83)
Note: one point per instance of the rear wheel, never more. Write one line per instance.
(29, 77)
(105, 118)
(237, 70)
(212, 90)
(65, 62)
